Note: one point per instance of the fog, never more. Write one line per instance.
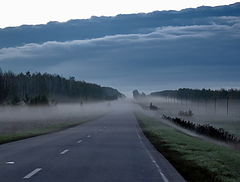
(22, 119)
(218, 114)
(18, 119)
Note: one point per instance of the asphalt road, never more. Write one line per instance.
(109, 149)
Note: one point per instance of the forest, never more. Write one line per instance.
(38, 88)
(205, 94)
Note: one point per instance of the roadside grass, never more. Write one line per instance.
(42, 129)
(196, 159)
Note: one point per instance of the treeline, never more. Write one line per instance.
(186, 93)
(35, 88)
(207, 130)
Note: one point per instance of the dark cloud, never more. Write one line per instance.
(166, 57)
(97, 27)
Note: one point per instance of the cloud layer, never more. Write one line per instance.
(166, 57)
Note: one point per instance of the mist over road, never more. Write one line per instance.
(111, 148)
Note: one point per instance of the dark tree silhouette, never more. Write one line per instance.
(35, 88)
(204, 94)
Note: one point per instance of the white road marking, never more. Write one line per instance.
(152, 159)
(10, 162)
(35, 171)
(139, 137)
(89, 136)
(79, 141)
(64, 152)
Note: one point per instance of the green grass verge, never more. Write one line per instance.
(196, 159)
(41, 130)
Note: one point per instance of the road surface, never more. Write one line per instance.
(109, 149)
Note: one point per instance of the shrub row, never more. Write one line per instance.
(207, 130)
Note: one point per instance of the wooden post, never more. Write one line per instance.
(206, 102)
(215, 105)
(227, 104)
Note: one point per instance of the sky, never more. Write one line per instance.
(191, 49)
(193, 56)
(18, 12)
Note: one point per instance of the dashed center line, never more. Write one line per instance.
(79, 141)
(64, 152)
(10, 162)
(35, 171)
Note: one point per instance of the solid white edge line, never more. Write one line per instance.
(64, 151)
(152, 159)
(35, 171)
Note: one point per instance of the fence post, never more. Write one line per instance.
(227, 105)
(215, 105)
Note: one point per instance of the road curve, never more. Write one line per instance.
(108, 149)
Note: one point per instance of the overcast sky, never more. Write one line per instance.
(151, 52)
(18, 12)
(167, 58)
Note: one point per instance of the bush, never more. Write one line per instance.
(208, 130)
(39, 100)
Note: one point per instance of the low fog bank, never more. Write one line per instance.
(204, 112)
(17, 119)
(230, 125)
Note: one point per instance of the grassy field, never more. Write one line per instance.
(203, 113)
(41, 129)
(23, 122)
(197, 160)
